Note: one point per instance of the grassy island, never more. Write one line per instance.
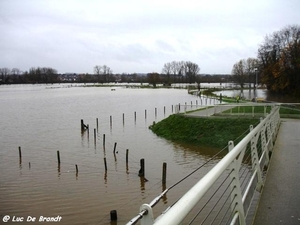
(210, 132)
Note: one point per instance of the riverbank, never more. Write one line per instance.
(209, 132)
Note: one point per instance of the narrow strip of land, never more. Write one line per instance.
(209, 111)
(280, 199)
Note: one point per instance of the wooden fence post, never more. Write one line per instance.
(20, 152)
(127, 152)
(164, 173)
(142, 169)
(58, 157)
(105, 164)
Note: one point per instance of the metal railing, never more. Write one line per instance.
(227, 190)
(237, 110)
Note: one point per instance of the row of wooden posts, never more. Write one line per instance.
(86, 126)
(141, 172)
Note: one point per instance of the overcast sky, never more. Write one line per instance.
(135, 35)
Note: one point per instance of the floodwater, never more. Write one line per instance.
(260, 93)
(44, 119)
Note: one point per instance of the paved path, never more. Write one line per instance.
(209, 111)
(280, 199)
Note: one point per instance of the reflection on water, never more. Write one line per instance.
(260, 93)
(44, 120)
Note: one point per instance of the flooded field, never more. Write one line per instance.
(44, 119)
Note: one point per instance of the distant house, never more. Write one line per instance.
(68, 77)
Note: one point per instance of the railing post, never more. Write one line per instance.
(273, 126)
(236, 194)
(269, 134)
(264, 145)
(148, 218)
(255, 160)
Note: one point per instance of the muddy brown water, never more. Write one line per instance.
(44, 119)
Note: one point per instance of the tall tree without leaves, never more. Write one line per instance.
(180, 69)
(244, 71)
(103, 72)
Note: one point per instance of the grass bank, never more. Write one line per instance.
(210, 132)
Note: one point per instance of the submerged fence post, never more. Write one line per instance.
(103, 142)
(164, 173)
(76, 169)
(115, 146)
(105, 164)
(20, 152)
(82, 125)
(97, 123)
(113, 215)
(142, 169)
(127, 152)
(58, 157)
(95, 135)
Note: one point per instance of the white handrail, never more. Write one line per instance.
(179, 211)
(267, 130)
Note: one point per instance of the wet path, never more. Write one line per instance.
(280, 199)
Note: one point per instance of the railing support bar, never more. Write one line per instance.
(237, 205)
(255, 160)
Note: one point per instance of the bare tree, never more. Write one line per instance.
(5, 72)
(180, 69)
(191, 71)
(103, 71)
(239, 72)
(97, 70)
(251, 70)
(245, 71)
(167, 69)
(16, 71)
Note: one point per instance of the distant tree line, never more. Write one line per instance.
(277, 64)
(172, 72)
(34, 75)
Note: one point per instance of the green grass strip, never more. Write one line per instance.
(210, 132)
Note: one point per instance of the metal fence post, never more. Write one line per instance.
(237, 206)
